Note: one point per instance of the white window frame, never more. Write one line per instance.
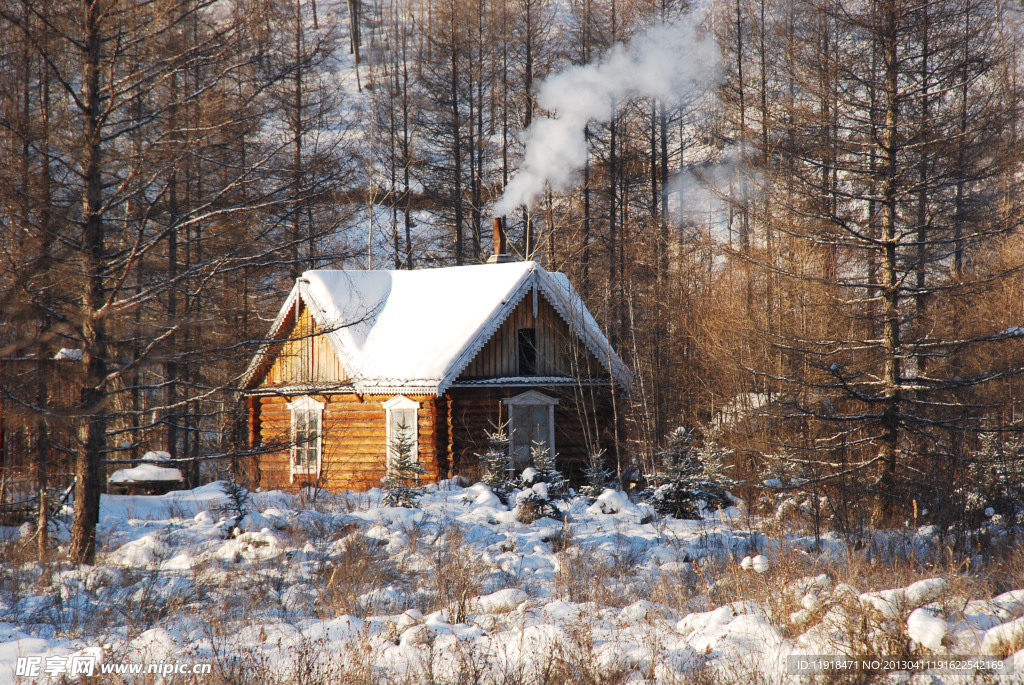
(402, 402)
(306, 405)
(530, 398)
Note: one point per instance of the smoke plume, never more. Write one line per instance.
(667, 62)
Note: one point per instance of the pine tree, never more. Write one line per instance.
(544, 485)
(596, 475)
(403, 484)
(496, 464)
(238, 499)
(692, 478)
(544, 471)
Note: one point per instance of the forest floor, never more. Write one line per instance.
(337, 588)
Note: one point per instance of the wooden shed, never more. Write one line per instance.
(445, 355)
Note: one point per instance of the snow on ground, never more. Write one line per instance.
(459, 585)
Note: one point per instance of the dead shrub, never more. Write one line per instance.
(359, 565)
(574, 661)
(458, 573)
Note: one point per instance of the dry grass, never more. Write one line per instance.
(438, 569)
(458, 571)
(360, 565)
(606, 576)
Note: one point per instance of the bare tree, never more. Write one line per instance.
(168, 182)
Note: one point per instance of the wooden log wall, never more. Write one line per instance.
(559, 352)
(306, 357)
(477, 411)
(353, 443)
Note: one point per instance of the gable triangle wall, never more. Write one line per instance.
(305, 357)
(560, 352)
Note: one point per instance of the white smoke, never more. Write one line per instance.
(711, 194)
(667, 62)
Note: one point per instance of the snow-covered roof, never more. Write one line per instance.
(416, 331)
(144, 473)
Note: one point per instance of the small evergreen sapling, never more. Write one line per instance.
(692, 478)
(402, 484)
(596, 475)
(543, 486)
(544, 465)
(238, 502)
(497, 464)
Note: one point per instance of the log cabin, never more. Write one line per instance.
(445, 355)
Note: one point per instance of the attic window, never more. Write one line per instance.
(401, 414)
(526, 347)
(531, 424)
(307, 423)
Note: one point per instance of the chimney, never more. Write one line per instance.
(499, 256)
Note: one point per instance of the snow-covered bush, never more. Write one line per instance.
(542, 484)
(691, 478)
(403, 483)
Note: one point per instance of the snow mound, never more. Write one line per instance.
(642, 610)
(179, 562)
(343, 629)
(144, 552)
(249, 546)
(155, 644)
(808, 586)
(409, 618)
(1002, 608)
(416, 635)
(757, 563)
(1003, 638)
(739, 626)
(615, 502)
(891, 603)
(926, 628)
(489, 499)
(254, 522)
(924, 591)
(204, 518)
(299, 598)
(499, 602)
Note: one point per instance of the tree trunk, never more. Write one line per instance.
(888, 446)
(88, 482)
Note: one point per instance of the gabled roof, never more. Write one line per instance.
(416, 331)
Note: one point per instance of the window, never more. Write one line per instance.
(526, 347)
(401, 414)
(531, 422)
(307, 420)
